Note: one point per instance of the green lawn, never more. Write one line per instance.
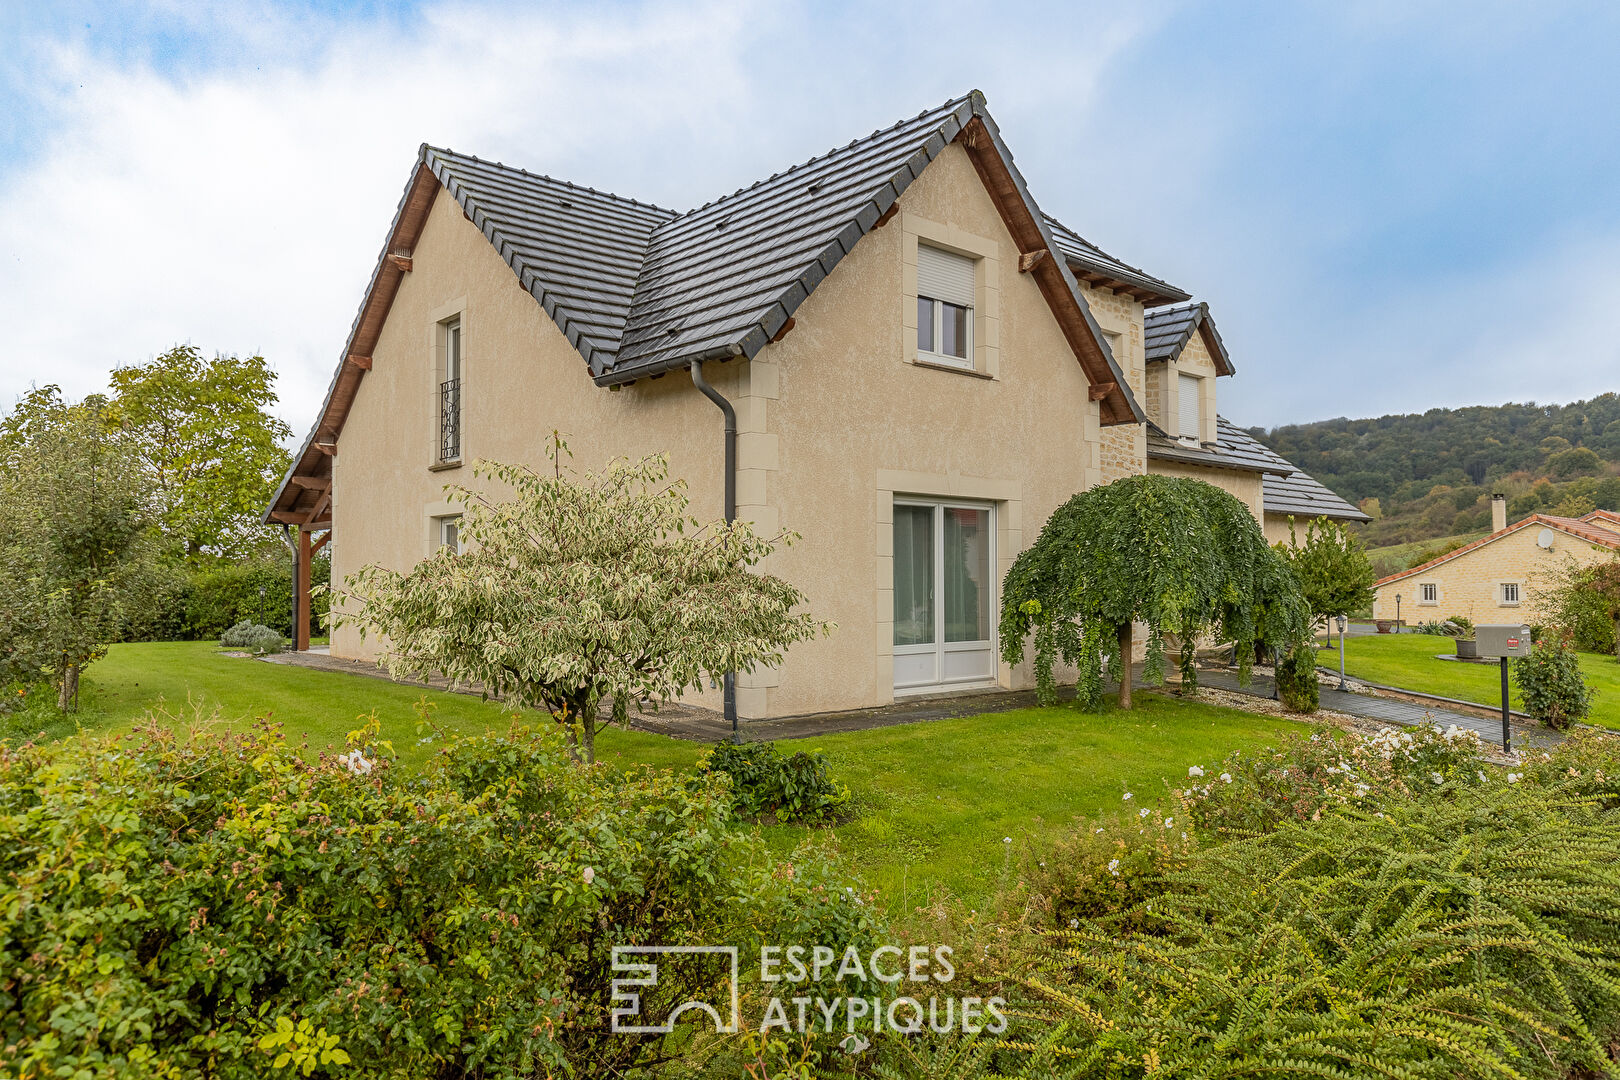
(937, 800)
(932, 802)
(185, 677)
(1408, 661)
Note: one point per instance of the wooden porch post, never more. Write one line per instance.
(1125, 666)
(306, 555)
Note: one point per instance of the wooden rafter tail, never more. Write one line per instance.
(1028, 260)
(1099, 391)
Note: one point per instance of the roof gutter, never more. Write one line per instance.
(729, 415)
(720, 353)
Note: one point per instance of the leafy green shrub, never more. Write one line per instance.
(225, 595)
(1450, 932)
(1551, 684)
(252, 636)
(1464, 625)
(763, 781)
(1296, 679)
(174, 906)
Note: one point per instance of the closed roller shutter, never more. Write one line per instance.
(944, 275)
(1189, 406)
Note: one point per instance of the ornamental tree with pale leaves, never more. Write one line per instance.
(582, 589)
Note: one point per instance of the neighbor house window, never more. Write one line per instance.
(450, 533)
(1188, 389)
(1510, 593)
(450, 391)
(1428, 594)
(944, 306)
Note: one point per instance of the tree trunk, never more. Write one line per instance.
(1125, 666)
(67, 698)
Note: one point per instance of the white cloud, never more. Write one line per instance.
(241, 206)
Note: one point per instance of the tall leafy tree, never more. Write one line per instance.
(582, 588)
(1335, 575)
(203, 432)
(1181, 556)
(75, 538)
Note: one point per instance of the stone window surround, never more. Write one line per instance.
(986, 254)
(432, 515)
(437, 318)
(1500, 588)
(1005, 495)
(1431, 584)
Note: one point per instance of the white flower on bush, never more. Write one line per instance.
(356, 762)
(1195, 771)
(1226, 778)
(1113, 867)
(1514, 778)
(1126, 797)
(1144, 812)
(589, 874)
(1437, 778)
(1169, 822)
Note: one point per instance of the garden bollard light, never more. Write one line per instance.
(1342, 623)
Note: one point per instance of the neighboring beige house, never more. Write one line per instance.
(1495, 579)
(1186, 436)
(922, 367)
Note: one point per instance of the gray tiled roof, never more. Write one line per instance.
(737, 268)
(1088, 256)
(639, 290)
(578, 251)
(1286, 489)
(1166, 331)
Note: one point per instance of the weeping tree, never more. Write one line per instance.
(582, 589)
(1181, 556)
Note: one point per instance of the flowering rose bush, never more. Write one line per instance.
(1256, 791)
(225, 906)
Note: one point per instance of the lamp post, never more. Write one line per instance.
(1343, 622)
(261, 605)
(1397, 613)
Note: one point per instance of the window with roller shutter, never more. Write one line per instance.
(1189, 392)
(945, 283)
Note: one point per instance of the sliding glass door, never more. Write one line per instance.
(944, 594)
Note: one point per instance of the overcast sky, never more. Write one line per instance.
(1389, 206)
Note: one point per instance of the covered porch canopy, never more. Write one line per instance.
(304, 499)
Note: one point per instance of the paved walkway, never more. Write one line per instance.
(1392, 710)
(706, 725)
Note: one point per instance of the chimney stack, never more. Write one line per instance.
(1498, 512)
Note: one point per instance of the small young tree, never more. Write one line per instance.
(1583, 601)
(1335, 575)
(579, 589)
(75, 542)
(1182, 556)
(1551, 684)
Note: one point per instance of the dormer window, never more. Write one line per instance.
(1189, 399)
(944, 306)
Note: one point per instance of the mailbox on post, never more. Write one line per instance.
(1503, 642)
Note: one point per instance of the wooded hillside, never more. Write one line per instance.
(1427, 476)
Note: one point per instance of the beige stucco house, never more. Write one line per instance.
(1496, 579)
(920, 363)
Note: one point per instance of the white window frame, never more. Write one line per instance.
(1502, 588)
(443, 527)
(450, 366)
(1428, 593)
(1197, 383)
(939, 646)
(937, 316)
